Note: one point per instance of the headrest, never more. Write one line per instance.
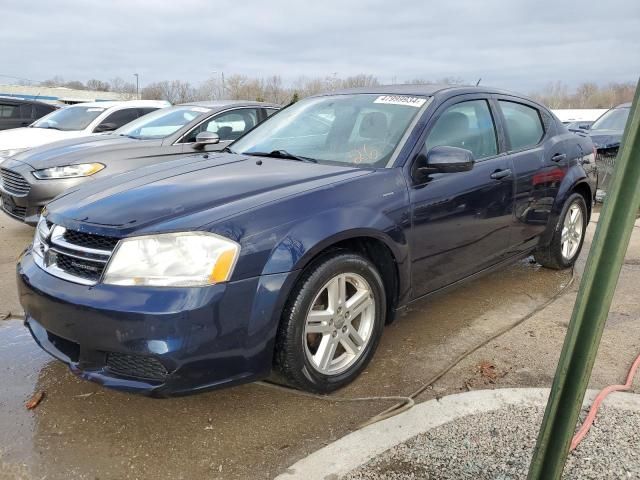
(374, 125)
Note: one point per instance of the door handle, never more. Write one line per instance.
(500, 174)
(558, 157)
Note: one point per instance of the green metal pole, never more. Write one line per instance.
(592, 307)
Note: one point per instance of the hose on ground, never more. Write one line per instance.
(591, 416)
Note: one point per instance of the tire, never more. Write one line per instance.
(556, 255)
(303, 336)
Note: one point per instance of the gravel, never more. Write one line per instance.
(498, 446)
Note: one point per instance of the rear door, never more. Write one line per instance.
(538, 171)
(461, 221)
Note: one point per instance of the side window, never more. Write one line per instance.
(144, 111)
(26, 111)
(467, 125)
(121, 117)
(270, 111)
(41, 110)
(523, 124)
(9, 111)
(228, 126)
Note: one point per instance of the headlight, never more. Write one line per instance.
(68, 171)
(11, 151)
(189, 259)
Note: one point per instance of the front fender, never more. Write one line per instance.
(306, 239)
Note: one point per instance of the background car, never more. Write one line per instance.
(294, 247)
(75, 121)
(606, 134)
(31, 179)
(578, 126)
(18, 112)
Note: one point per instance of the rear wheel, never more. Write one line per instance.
(332, 323)
(568, 236)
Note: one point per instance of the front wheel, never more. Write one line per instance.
(332, 323)
(568, 236)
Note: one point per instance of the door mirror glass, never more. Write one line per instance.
(206, 138)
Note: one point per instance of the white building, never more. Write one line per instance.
(59, 95)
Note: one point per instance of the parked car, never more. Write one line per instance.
(74, 121)
(606, 134)
(29, 180)
(578, 126)
(18, 112)
(294, 247)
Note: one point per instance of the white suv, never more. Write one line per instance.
(75, 121)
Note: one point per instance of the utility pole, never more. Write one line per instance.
(592, 307)
(137, 86)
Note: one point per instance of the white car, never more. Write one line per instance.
(75, 121)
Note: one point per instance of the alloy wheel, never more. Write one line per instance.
(572, 231)
(339, 324)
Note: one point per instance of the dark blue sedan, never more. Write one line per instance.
(292, 249)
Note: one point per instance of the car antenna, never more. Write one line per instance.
(478, 82)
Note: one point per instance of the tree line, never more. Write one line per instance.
(273, 89)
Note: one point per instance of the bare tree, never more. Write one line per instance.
(174, 91)
(98, 85)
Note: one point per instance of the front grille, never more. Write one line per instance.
(9, 206)
(83, 268)
(136, 366)
(605, 163)
(13, 182)
(88, 240)
(72, 255)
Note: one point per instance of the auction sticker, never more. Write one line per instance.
(416, 102)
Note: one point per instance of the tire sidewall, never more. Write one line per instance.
(306, 294)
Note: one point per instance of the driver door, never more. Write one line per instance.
(461, 222)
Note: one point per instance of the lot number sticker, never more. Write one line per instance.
(416, 102)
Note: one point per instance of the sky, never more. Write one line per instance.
(514, 44)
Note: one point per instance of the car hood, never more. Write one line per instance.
(78, 150)
(221, 184)
(605, 138)
(29, 137)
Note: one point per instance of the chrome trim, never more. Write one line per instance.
(58, 272)
(58, 239)
(50, 238)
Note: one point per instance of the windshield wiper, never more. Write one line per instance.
(227, 150)
(282, 154)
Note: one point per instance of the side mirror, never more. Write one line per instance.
(585, 126)
(444, 159)
(206, 138)
(105, 127)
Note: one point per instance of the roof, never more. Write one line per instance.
(419, 90)
(228, 103)
(128, 103)
(7, 98)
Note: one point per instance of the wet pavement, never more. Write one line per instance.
(81, 430)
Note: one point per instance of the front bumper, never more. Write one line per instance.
(27, 207)
(173, 340)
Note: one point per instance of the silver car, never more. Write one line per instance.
(29, 180)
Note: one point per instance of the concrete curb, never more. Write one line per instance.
(357, 448)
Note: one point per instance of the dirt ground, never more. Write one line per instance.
(81, 430)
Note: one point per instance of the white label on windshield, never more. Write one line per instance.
(95, 109)
(200, 109)
(416, 102)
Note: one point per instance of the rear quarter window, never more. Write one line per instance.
(524, 127)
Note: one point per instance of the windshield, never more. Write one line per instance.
(161, 123)
(356, 130)
(69, 118)
(614, 119)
